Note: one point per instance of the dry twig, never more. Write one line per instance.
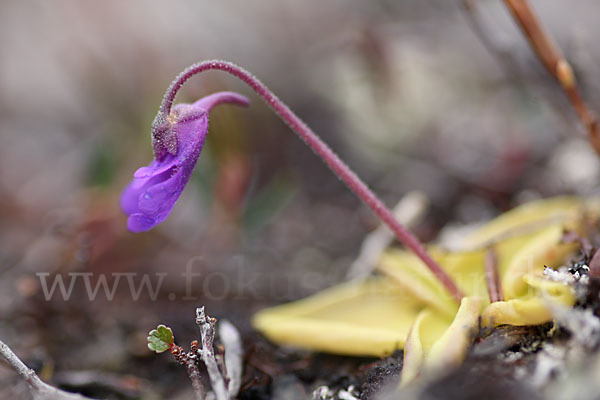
(207, 353)
(39, 389)
(552, 58)
(194, 374)
(232, 342)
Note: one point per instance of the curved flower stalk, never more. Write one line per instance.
(408, 308)
(178, 135)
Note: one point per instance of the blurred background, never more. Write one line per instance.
(429, 95)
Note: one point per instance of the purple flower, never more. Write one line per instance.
(150, 197)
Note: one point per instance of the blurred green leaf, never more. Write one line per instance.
(268, 202)
(101, 168)
(205, 174)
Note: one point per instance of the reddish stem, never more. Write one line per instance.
(595, 265)
(492, 278)
(353, 182)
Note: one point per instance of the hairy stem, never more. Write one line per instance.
(354, 183)
(552, 58)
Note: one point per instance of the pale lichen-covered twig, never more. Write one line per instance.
(207, 353)
(230, 337)
(39, 389)
(408, 211)
(194, 374)
(552, 58)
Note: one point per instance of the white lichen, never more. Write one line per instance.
(325, 393)
(550, 362)
(583, 325)
(561, 275)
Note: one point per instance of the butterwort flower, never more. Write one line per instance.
(178, 135)
(178, 140)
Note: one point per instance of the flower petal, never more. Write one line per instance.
(140, 223)
(131, 195)
(150, 197)
(156, 167)
(160, 195)
(136, 190)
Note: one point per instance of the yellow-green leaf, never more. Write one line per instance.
(368, 318)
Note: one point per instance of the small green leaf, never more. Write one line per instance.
(160, 339)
